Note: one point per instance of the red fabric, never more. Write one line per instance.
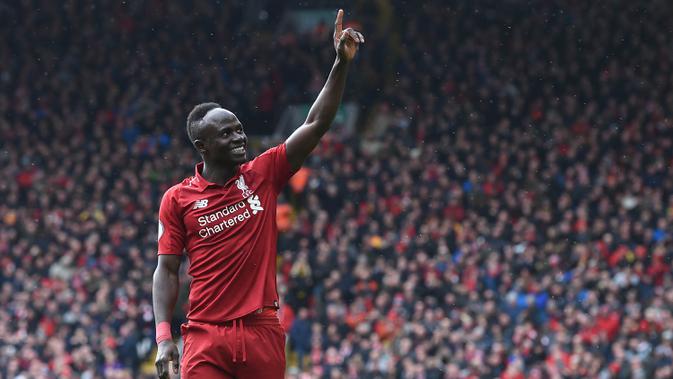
(249, 347)
(514, 375)
(229, 233)
(590, 334)
(385, 329)
(25, 178)
(470, 278)
(559, 361)
(48, 326)
(353, 319)
(454, 212)
(617, 256)
(286, 316)
(657, 270)
(615, 367)
(300, 179)
(581, 128)
(284, 217)
(609, 324)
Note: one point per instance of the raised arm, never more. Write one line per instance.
(300, 144)
(164, 295)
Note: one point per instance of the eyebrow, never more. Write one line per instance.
(229, 126)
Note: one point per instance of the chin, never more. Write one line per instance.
(241, 159)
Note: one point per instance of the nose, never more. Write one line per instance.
(239, 137)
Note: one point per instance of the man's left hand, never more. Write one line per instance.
(346, 41)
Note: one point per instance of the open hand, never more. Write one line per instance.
(346, 41)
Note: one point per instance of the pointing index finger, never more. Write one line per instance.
(338, 22)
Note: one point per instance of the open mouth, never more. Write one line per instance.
(238, 150)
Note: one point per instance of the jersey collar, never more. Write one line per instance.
(202, 183)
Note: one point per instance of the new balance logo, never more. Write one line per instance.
(255, 204)
(200, 204)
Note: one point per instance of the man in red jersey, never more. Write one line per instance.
(224, 218)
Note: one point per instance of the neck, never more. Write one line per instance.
(218, 174)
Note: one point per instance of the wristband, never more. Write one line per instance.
(163, 332)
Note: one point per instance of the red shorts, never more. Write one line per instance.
(249, 347)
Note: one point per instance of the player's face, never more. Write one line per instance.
(225, 141)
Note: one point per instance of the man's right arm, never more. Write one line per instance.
(165, 285)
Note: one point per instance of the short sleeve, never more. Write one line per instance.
(171, 235)
(274, 164)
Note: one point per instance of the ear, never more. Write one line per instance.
(200, 146)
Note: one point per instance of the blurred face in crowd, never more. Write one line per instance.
(220, 138)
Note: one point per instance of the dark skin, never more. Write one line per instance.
(165, 285)
(222, 143)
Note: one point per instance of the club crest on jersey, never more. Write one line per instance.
(240, 184)
(200, 204)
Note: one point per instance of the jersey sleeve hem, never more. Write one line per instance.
(168, 253)
(290, 170)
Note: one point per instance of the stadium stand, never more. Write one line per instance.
(505, 212)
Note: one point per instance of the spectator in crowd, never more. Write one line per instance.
(506, 212)
(300, 336)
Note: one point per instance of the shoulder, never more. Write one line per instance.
(267, 157)
(175, 191)
(275, 150)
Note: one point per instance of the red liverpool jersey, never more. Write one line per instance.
(229, 233)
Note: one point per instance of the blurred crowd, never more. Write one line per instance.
(505, 213)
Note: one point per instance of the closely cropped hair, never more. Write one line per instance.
(196, 116)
